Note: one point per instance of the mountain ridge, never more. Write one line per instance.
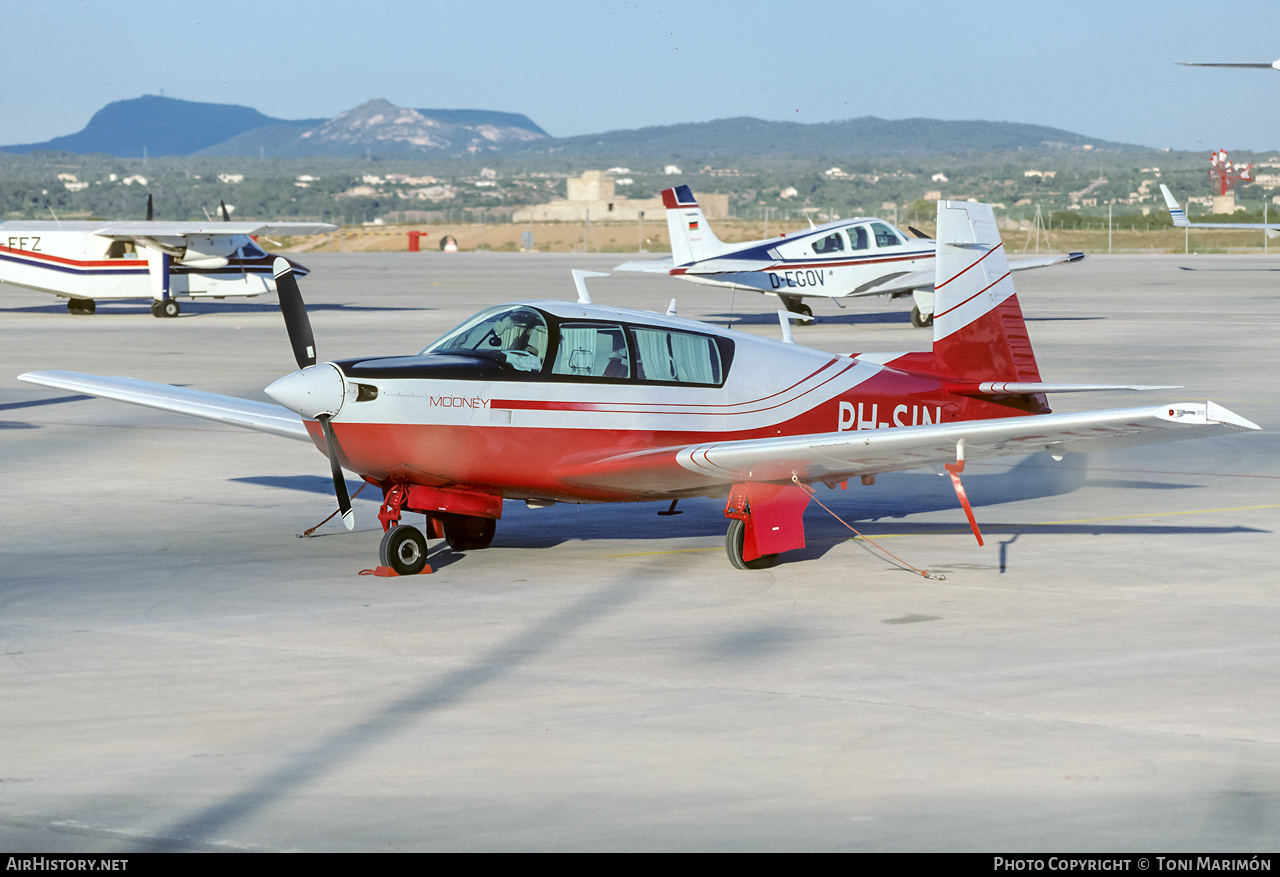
(157, 125)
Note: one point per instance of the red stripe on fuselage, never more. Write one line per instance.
(595, 464)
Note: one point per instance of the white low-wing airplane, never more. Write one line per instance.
(1180, 220)
(1263, 65)
(86, 262)
(847, 258)
(550, 401)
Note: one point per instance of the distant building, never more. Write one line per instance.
(592, 194)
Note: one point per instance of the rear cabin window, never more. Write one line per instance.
(592, 350)
(678, 357)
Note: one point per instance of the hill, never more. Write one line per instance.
(379, 129)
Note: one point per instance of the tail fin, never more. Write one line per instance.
(692, 239)
(1176, 213)
(978, 330)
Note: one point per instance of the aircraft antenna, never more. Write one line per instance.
(55, 218)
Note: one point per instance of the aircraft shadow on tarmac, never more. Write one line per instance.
(195, 308)
(874, 510)
(34, 403)
(1224, 270)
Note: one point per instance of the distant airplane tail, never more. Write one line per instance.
(691, 237)
(978, 331)
(1176, 212)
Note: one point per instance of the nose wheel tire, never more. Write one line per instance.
(404, 549)
(733, 545)
(469, 533)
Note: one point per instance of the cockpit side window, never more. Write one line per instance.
(252, 251)
(592, 350)
(122, 250)
(885, 235)
(832, 243)
(858, 238)
(518, 335)
(679, 357)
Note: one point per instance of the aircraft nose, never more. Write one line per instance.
(317, 389)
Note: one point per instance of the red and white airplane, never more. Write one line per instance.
(550, 401)
(847, 258)
(85, 262)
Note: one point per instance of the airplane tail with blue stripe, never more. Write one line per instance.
(691, 236)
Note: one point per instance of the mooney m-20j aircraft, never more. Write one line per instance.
(86, 262)
(1180, 220)
(848, 258)
(549, 401)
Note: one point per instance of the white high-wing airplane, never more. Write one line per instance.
(1180, 220)
(847, 258)
(84, 262)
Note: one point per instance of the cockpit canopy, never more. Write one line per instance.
(527, 340)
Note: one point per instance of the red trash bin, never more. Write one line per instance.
(414, 238)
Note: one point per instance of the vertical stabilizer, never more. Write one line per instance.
(692, 239)
(978, 330)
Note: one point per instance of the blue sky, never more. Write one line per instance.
(1101, 69)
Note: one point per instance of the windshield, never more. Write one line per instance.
(515, 335)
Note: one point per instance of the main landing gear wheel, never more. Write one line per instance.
(733, 545)
(166, 308)
(404, 549)
(919, 321)
(469, 533)
(804, 311)
(81, 305)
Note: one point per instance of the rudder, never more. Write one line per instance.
(691, 237)
(978, 330)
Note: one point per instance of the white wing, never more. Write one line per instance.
(139, 230)
(844, 454)
(259, 416)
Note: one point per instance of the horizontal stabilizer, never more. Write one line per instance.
(1044, 261)
(648, 266)
(228, 410)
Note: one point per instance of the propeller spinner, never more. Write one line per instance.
(307, 392)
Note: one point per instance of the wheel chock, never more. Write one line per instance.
(388, 571)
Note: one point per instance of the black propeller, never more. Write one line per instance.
(151, 212)
(226, 217)
(296, 322)
(298, 325)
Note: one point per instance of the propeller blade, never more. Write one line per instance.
(226, 217)
(339, 483)
(294, 310)
(151, 212)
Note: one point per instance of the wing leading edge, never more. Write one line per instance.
(845, 454)
(229, 410)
